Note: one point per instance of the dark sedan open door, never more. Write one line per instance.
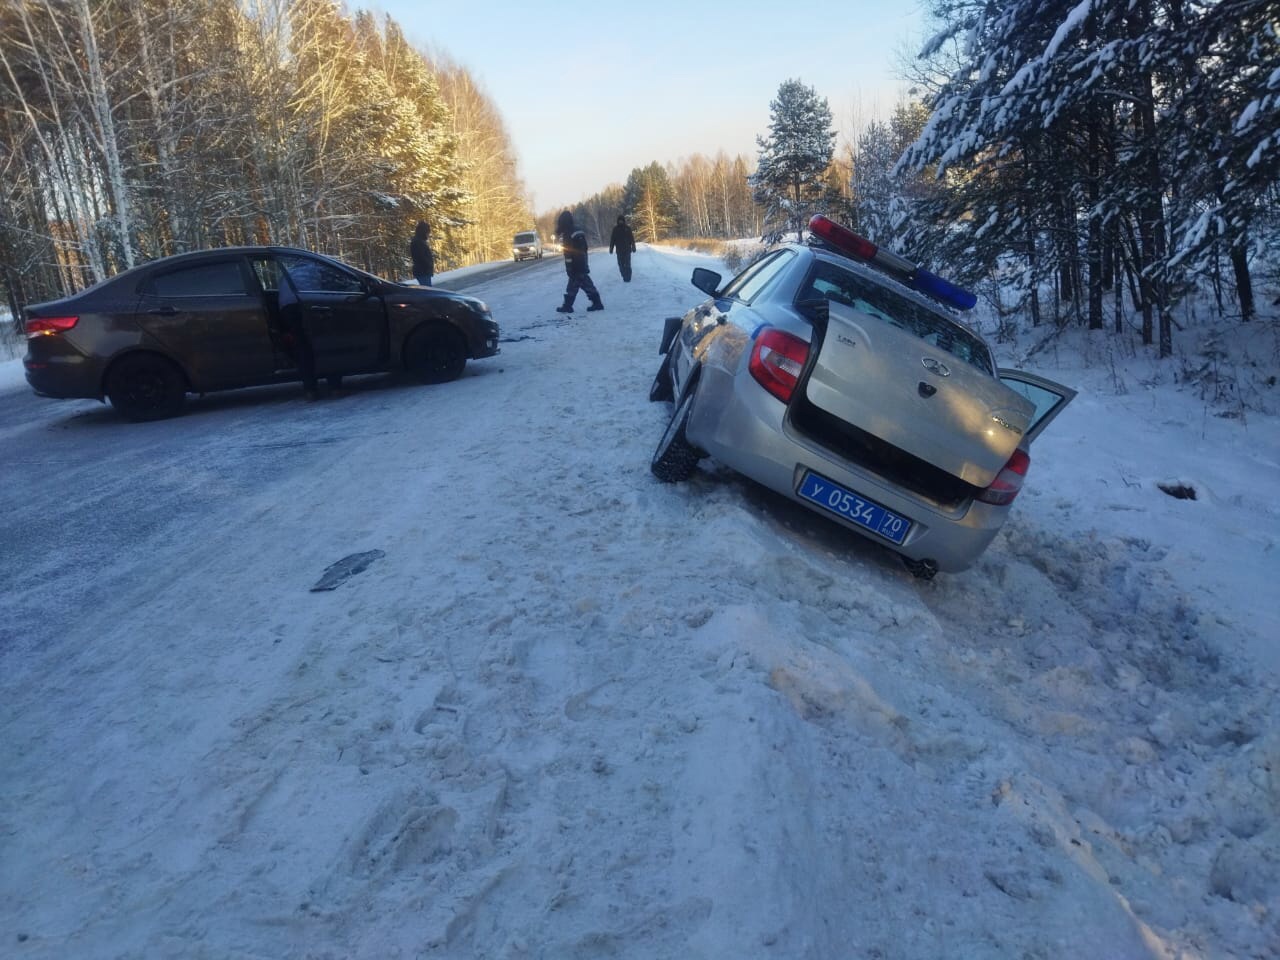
(347, 323)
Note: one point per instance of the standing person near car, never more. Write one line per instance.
(294, 331)
(574, 242)
(424, 261)
(625, 242)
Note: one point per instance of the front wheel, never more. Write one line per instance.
(676, 458)
(145, 386)
(435, 354)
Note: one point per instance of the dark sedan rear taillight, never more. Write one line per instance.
(1008, 481)
(776, 361)
(44, 326)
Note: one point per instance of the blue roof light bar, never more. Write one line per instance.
(850, 244)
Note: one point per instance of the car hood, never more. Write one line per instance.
(895, 386)
(410, 293)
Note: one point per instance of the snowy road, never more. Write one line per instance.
(575, 713)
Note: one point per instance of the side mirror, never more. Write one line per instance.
(708, 281)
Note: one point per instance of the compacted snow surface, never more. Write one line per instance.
(572, 712)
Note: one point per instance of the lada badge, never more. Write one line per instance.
(936, 366)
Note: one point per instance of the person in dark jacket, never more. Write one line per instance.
(624, 241)
(574, 243)
(294, 332)
(424, 261)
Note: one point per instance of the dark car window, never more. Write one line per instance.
(268, 272)
(317, 276)
(832, 283)
(221, 279)
(755, 278)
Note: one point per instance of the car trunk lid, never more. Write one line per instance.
(916, 396)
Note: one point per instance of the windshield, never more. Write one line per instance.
(830, 282)
(526, 237)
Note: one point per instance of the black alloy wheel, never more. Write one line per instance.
(435, 354)
(146, 386)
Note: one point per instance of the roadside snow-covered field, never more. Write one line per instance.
(575, 713)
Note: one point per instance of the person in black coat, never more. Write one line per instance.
(293, 330)
(574, 243)
(424, 261)
(624, 241)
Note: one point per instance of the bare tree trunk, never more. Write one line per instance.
(1244, 286)
(1093, 251)
(105, 121)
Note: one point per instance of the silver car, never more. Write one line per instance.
(526, 246)
(839, 375)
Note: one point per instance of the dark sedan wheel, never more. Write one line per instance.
(144, 386)
(435, 354)
(676, 458)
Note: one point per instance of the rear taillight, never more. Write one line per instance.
(1008, 481)
(776, 361)
(43, 326)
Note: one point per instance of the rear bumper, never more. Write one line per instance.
(55, 369)
(739, 424)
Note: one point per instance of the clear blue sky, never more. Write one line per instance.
(591, 90)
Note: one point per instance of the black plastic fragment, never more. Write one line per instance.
(345, 569)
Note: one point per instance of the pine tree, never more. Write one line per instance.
(793, 157)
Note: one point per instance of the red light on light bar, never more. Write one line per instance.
(846, 240)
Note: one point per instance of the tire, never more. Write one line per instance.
(662, 388)
(435, 354)
(146, 386)
(676, 458)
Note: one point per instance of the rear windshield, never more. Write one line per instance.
(833, 283)
(526, 237)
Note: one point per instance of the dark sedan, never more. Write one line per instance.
(200, 322)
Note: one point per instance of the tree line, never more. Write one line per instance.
(134, 129)
(1082, 161)
(1093, 150)
(698, 196)
(1084, 151)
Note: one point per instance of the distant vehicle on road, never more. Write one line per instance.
(200, 322)
(526, 246)
(839, 375)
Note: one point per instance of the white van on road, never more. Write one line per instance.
(526, 246)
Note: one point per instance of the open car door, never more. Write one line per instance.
(1049, 398)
